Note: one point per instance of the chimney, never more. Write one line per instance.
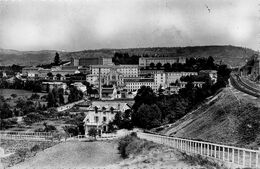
(99, 76)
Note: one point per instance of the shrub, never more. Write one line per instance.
(35, 148)
(123, 143)
(32, 118)
(22, 153)
(34, 96)
(93, 132)
(7, 123)
(71, 130)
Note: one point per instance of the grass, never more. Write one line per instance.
(199, 160)
(132, 145)
(23, 150)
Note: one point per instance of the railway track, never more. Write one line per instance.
(243, 87)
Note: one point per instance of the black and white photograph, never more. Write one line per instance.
(129, 84)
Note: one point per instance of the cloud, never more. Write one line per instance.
(89, 24)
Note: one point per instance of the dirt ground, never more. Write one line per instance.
(83, 155)
(160, 157)
(74, 155)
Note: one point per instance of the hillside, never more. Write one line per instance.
(226, 118)
(231, 55)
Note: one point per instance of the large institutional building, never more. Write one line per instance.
(146, 61)
(85, 62)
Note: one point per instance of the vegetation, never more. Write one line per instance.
(57, 59)
(93, 132)
(32, 118)
(124, 58)
(131, 144)
(29, 85)
(199, 160)
(121, 121)
(150, 111)
(75, 95)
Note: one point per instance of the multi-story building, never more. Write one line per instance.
(30, 71)
(213, 74)
(87, 61)
(172, 77)
(146, 61)
(125, 70)
(43, 73)
(133, 84)
(92, 79)
(48, 86)
(160, 79)
(100, 113)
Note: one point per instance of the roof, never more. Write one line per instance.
(108, 90)
(208, 71)
(164, 58)
(139, 80)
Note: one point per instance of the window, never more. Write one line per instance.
(96, 119)
(104, 119)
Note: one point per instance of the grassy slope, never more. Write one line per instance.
(228, 54)
(215, 121)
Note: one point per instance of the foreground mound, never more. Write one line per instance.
(226, 118)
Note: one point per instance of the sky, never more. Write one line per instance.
(73, 25)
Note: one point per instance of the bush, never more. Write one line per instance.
(35, 148)
(22, 153)
(34, 96)
(123, 143)
(71, 130)
(32, 118)
(7, 123)
(93, 132)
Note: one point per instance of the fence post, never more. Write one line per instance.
(233, 155)
(250, 160)
(244, 158)
(256, 165)
(223, 148)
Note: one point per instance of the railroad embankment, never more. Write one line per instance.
(227, 118)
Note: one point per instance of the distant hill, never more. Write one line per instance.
(231, 55)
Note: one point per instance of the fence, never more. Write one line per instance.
(228, 155)
(25, 135)
(68, 106)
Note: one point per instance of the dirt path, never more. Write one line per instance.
(76, 155)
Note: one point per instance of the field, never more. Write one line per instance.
(20, 93)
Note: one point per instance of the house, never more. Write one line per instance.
(100, 113)
(48, 86)
(108, 93)
(213, 74)
(80, 86)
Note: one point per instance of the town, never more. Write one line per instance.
(129, 84)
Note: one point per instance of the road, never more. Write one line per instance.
(76, 155)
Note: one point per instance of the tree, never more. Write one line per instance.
(147, 117)
(58, 76)
(51, 100)
(13, 95)
(5, 111)
(152, 65)
(145, 95)
(61, 95)
(158, 66)
(167, 67)
(56, 59)
(50, 75)
(93, 132)
(75, 94)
